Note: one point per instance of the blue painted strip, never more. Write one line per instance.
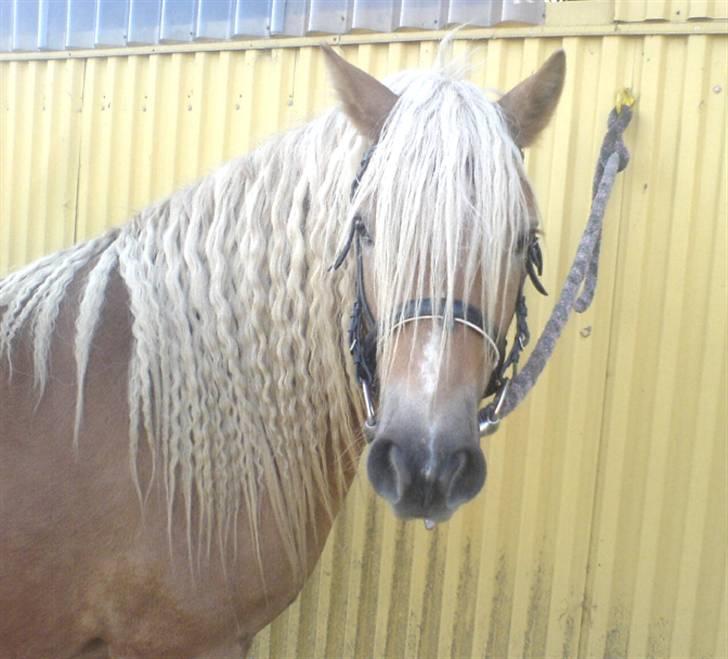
(30, 25)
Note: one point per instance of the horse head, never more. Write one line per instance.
(442, 218)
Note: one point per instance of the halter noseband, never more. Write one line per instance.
(463, 314)
(363, 326)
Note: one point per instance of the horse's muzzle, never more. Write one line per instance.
(420, 481)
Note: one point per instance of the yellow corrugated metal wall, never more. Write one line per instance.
(602, 527)
(669, 10)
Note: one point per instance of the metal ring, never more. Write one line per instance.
(499, 401)
(487, 425)
(371, 419)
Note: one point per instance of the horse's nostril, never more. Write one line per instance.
(459, 461)
(387, 470)
(468, 476)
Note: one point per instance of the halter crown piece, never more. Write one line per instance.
(577, 293)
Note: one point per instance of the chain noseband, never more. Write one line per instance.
(363, 326)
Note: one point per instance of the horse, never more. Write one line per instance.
(180, 418)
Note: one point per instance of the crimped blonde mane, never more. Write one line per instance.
(239, 377)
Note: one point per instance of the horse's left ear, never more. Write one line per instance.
(530, 104)
(366, 101)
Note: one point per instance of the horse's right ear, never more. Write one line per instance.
(366, 101)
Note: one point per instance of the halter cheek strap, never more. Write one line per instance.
(363, 326)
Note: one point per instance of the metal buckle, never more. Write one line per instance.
(489, 418)
(487, 427)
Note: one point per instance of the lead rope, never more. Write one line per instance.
(578, 290)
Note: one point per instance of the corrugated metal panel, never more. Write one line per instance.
(670, 10)
(27, 25)
(657, 565)
(602, 528)
(40, 131)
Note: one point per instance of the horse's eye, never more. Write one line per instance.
(366, 237)
(523, 242)
(361, 228)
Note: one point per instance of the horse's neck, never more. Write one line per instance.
(276, 219)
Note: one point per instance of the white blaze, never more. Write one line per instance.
(429, 366)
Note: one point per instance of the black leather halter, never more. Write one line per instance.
(363, 325)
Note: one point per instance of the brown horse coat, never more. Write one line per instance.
(81, 567)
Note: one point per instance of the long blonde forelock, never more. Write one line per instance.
(444, 194)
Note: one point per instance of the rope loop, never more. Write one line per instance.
(580, 285)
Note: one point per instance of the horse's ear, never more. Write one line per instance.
(530, 104)
(366, 101)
